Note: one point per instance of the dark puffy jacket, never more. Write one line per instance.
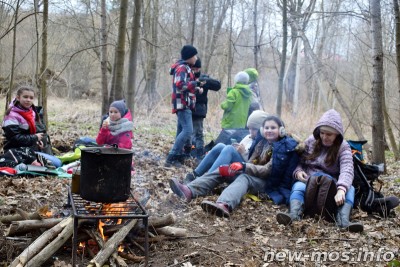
(202, 99)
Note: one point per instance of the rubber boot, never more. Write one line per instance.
(343, 219)
(295, 213)
(172, 161)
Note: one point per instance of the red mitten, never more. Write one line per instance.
(225, 171)
(236, 166)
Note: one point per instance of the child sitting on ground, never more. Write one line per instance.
(117, 127)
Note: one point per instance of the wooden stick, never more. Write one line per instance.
(111, 245)
(100, 242)
(40, 243)
(172, 231)
(51, 248)
(21, 227)
(131, 257)
(17, 217)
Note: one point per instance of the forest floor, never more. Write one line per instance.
(250, 237)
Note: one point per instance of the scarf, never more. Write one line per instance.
(29, 116)
(120, 126)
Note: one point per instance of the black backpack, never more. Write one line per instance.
(367, 184)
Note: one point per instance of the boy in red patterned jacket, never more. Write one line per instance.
(184, 88)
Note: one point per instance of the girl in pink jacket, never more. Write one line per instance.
(117, 127)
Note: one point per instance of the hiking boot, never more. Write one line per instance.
(220, 209)
(384, 205)
(343, 219)
(172, 161)
(190, 177)
(295, 211)
(180, 190)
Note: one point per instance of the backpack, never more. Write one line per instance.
(367, 197)
(320, 197)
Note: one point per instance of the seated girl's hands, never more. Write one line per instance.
(106, 122)
(340, 197)
(302, 176)
(239, 148)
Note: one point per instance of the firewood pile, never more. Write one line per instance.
(113, 244)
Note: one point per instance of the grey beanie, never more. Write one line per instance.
(256, 119)
(242, 77)
(121, 106)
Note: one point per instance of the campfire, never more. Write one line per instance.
(101, 232)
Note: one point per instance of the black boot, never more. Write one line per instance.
(295, 212)
(343, 219)
(172, 161)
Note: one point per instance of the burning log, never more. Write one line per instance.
(100, 242)
(21, 227)
(111, 245)
(172, 231)
(40, 243)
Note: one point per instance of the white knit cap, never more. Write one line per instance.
(242, 77)
(256, 119)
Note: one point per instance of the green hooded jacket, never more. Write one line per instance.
(236, 107)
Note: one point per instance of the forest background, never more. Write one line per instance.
(311, 56)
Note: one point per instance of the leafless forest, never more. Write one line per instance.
(311, 55)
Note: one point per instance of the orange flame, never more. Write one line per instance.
(111, 208)
(101, 224)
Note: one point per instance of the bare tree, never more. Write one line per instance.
(104, 58)
(378, 140)
(150, 32)
(193, 28)
(283, 57)
(256, 46)
(118, 73)
(8, 98)
(396, 11)
(133, 56)
(43, 68)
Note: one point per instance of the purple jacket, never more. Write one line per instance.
(342, 169)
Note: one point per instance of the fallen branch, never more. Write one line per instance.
(21, 227)
(51, 248)
(131, 257)
(172, 231)
(40, 243)
(111, 245)
(18, 217)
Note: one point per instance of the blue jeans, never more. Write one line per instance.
(183, 132)
(299, 189)
(219, 155)
(198, 136)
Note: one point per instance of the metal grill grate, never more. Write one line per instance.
(130, 208)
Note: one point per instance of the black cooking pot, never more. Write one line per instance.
(105, 174)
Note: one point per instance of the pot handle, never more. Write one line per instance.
(115, 146)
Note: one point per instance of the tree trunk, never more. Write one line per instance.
(255, 51)
(230, 43)
(378, 144)
(43, 82)
(396, 11)
(118, 79)
(193, 24)
(283, 59)
(9, 92)
(133, 57)
(104, 58)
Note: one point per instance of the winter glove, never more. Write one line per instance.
(237, 166)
